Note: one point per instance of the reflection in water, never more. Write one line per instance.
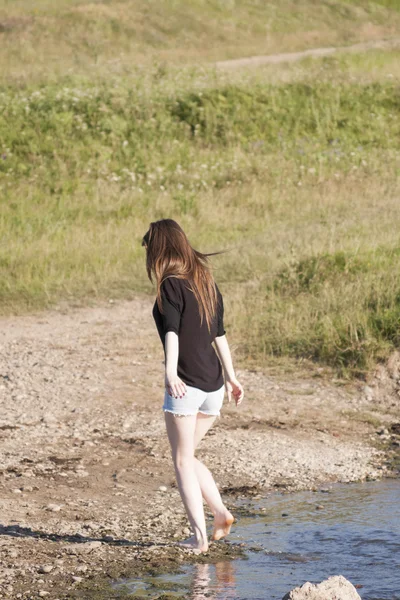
(199, 589)
(209, 581)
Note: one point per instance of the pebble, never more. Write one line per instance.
(43, 593)
(382, 431)
(77, 579)
(319, 507)
(83, 548)
(93, 545)
(82, 568)
(369, 392)
(54, 507)
(81, 473)
(45, 569)
(49, 418)
(163, 488)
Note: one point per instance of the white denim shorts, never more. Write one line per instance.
(194, 401)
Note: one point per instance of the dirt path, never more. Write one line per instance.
(273, 59)
(84, 455)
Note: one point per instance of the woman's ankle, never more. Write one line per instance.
(221, 512)
(195, 543)
(201, 539)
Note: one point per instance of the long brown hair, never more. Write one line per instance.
(169, 254)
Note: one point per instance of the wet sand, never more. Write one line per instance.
(87, 485)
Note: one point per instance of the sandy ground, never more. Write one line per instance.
(85, 466)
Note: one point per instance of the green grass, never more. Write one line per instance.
(293, 169)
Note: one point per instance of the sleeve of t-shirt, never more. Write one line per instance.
(172, 304)
(220, 314)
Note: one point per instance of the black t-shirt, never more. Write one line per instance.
(198, 363)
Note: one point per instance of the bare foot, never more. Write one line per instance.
(222, 525)
(194, 545)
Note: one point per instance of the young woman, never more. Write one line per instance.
(189, 316)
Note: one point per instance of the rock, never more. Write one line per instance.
(45, 569)
(54, 507)
(82, 568)
(49, 418)
(82, 548)
(77, 579)
(43, 593)
(382, 431)
(368, 392)
(333, 588)
(82, 473)
(163, 488)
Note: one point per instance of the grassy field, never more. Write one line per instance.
(293, 169)
(51, 40)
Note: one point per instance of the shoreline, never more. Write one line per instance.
(85, 460)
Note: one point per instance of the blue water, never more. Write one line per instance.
(356, 534)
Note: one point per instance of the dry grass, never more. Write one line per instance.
(45, 40)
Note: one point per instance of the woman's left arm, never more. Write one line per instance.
(233, 387)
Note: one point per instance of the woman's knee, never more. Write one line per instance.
(183, 461)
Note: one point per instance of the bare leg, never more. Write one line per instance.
(181, 432)
(223, 519)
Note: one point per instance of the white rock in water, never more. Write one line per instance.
(334, 588)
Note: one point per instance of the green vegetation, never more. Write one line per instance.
(293, 169)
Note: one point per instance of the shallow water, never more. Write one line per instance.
(355, 533)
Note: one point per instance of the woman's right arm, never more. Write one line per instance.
(171, 316)
(174, 384)
(232, 385)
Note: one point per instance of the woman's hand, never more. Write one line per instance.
(174, 385)
(235, 389)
